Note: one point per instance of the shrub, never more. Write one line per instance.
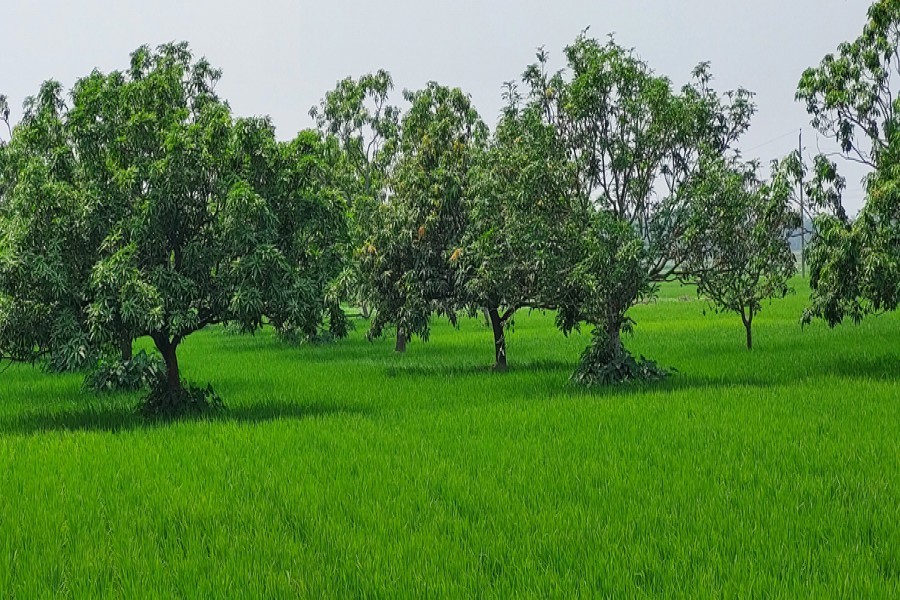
(143, 371)
(604, 364)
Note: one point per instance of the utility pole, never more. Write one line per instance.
(802, 212)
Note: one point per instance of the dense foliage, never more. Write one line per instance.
(359, 120)
(142, 207)
(408, 257)
(523, 227)
(50, 235)
(852, 98)
(634, 147)
(146, 209)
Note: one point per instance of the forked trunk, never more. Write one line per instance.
(401, 340)
(748, 325)
(499, 327)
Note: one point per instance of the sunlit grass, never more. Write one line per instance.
(347, 470)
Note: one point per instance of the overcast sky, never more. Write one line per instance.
(280, 56)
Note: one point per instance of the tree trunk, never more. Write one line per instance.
(499, 327)
(173, 374)
(169, 353)
(748, 325)
(613, 340)
(364, 310)
(401, 340)
(126, 348)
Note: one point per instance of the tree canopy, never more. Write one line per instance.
(47, 241)
(522, 225)
(359, 119)
(182, 216)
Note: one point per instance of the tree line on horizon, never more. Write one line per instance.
(138, 205)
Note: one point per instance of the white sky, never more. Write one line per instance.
(280, 56)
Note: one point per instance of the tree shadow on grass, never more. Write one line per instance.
(673, 384)
(115, 416)
(440, 369)
(119, 419)
(880, 368)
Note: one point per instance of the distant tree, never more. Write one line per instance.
(852, 98)
(357, 114)
(521, 222)
(309, 228)
(739, 238)
(408, 260)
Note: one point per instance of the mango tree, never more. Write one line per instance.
(739, 251)
(358, 117)
(636, 144)
(408, 259)
(200, 218)
(521, 222)
(47, 247)
(852, 98)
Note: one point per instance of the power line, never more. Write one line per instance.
(772, 141)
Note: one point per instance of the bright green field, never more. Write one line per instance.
(344, 470)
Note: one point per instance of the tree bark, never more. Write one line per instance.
(126, 347)
(499, 327)
(748, 325)
(613, 340)
(401, 340)
(169, 353)
(173, 373)
(364, 310)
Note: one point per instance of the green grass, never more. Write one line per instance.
(344, 470)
